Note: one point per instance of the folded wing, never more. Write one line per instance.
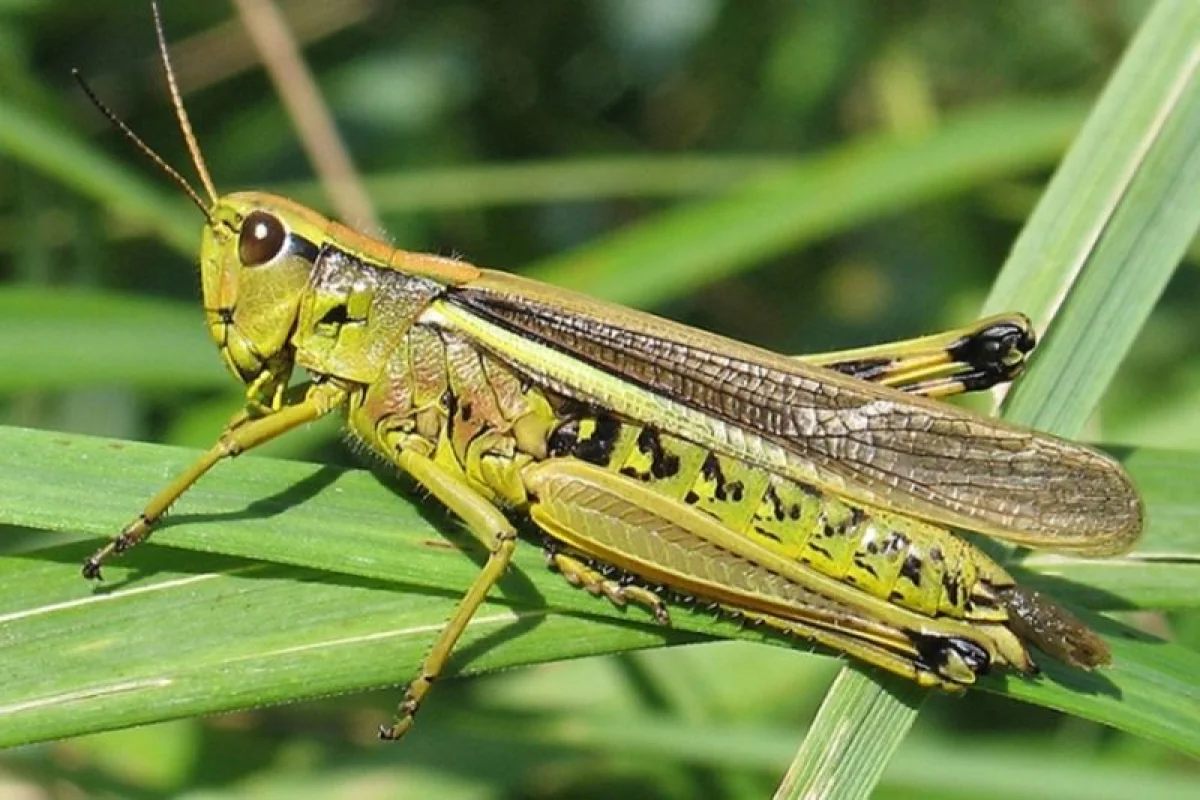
(875, 444)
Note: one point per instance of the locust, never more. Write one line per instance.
(816, 497)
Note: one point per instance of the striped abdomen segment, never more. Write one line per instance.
(897, 559)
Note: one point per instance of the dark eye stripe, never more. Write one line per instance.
(299, 246)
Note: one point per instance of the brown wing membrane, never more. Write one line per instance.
(875, 444)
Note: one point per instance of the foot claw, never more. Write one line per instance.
(91, 570)
(390, 733)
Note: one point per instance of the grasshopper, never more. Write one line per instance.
(815, 497)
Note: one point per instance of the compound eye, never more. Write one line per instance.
(262, 237)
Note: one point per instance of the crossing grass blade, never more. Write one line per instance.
(1094, 257)
(56, 151)
(696, 244)
(278, 581)
(64, 339)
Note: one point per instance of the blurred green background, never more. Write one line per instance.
(561, 140)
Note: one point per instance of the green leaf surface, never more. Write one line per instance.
(867, 710)
(992, 766)
(56, 151)
(563, 180)
(60, 339)
(310, 580)
(1074, 263)
(673, 253)
(1118, 217)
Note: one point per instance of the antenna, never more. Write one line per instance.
(185, 124)
(148, 151)
(180, 114)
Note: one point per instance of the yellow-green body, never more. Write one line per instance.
(774, 489)
(442, 396)
(661, 463)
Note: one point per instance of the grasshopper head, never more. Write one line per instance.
(256, 255)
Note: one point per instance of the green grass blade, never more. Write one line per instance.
(869, 712)
(556, 181)
(1113, 225)
(50, 148)
(307, 580)
(679, 250)
(1036, 769)
(59, 339)
(1074, 264)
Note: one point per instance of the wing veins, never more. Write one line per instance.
(961, 470)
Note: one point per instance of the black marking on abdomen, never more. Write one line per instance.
(598, 447)
(711, 470)
(662, 463)
(911, 569)
(950, 584)
(562, 442)
(894, 543)
(764, 532)
(776, 503)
